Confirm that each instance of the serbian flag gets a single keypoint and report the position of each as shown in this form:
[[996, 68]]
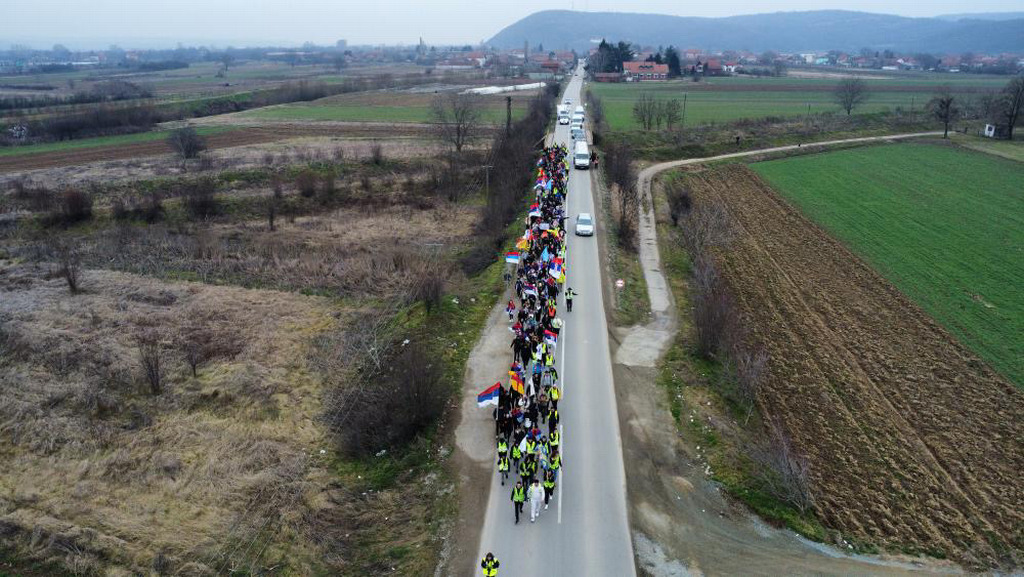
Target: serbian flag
[[530, 290], [556, 270], [489, 396], [516, 382], [512, 257], [550, 338], [535, 210]]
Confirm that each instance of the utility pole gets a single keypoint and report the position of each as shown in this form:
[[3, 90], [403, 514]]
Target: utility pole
[[508, 115], [682, 123], [487, 180]]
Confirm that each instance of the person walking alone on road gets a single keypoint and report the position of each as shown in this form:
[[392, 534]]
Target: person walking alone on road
[[569, 293], [536, 500], [518, 498], [490, 565]]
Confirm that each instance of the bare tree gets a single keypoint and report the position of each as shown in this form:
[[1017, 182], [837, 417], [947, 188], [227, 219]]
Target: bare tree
[[673, 113], [850, 93], [784, 474], [186, 143], [645, 110], [944, 108], [148, 344], [191, 343], [456, 118], [1011, 103]]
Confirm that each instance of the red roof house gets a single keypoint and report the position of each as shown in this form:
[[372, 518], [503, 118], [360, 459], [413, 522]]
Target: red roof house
[[643, 71]]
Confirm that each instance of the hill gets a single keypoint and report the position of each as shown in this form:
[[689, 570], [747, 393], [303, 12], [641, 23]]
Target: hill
[[786, 31]]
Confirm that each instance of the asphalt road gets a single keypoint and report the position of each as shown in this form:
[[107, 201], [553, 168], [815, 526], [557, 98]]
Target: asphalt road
[[585, 531]]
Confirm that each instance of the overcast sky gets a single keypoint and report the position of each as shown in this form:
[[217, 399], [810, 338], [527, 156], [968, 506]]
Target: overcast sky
[[142, 23]]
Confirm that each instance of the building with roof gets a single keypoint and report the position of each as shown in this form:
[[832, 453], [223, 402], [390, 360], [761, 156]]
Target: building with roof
[[644, 71]]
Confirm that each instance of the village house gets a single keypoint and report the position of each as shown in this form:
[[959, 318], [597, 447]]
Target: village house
[[644, 71]]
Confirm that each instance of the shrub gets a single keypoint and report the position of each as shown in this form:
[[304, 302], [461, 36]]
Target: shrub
[[147, 343], [407, 398], [69, 262], [306, 181], [199, 198], [377, 154]]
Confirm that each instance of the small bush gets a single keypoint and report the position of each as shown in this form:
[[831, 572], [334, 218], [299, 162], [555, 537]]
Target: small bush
[[73, 206], [377, 154], [200, 198], [305, 182], [69, 262], [147, 343]]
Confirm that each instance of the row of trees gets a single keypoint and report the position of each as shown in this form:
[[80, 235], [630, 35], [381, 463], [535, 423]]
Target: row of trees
[[1002, 108], [651, 113]]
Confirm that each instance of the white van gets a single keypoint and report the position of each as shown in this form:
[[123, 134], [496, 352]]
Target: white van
[[581, 155], [577, 119], [563, 114]]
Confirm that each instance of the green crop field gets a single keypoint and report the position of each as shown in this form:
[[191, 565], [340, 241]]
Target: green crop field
[[732, 98], [122, 139], [384, 107], [945, 225]]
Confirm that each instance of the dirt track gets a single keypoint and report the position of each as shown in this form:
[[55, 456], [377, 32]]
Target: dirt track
[[912, 440], [241, 137]]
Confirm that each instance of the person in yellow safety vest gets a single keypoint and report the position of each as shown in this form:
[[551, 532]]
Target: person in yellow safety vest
[[553, 395], [518, 498], [552, 420], [490, 565], [555, 462], [503, 468], [555, 440], [549, 360], [516, 454], [549, 486], [531, 446], [502, 447]]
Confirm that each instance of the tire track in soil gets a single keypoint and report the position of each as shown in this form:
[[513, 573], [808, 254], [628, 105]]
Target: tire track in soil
[[911, 438]]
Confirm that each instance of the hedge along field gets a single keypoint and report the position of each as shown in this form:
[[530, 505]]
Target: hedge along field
[[732, 98], [387, 107], [943, 224]]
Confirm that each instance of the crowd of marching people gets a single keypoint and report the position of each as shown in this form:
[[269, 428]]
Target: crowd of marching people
[[528, 437], [529, 440]]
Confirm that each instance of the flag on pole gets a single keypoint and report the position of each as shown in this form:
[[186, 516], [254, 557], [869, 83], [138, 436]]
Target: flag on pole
[[530, 290], [512, 257], [516, 382], [535, 210], [555, 270], [550, 338], [545, 256], [489, 396]]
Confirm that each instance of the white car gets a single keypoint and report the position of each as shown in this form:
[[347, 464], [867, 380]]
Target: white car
[[584, 224], [567, 102], [563, 120], [578, 134]]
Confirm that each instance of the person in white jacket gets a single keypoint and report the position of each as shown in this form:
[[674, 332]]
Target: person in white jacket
[[536, 497]]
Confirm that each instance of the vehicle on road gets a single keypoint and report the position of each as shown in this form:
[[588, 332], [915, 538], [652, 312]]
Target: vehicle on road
[[584, 224], [567, 102], [578, 134], [577, 119], [563, 114], [581, 155]]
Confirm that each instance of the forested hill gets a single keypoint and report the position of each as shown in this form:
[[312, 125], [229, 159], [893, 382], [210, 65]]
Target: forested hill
[[784, 31]]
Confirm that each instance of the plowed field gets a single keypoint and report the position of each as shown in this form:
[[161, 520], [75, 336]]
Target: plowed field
[[913, 441]]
